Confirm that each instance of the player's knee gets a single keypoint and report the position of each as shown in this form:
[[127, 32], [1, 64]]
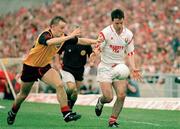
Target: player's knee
[[23, 96], [75, 91], [59, 86], [73, 88], [108, 98], [121, 96]]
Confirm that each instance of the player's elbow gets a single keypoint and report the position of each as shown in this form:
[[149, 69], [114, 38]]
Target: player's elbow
[[49, 42]]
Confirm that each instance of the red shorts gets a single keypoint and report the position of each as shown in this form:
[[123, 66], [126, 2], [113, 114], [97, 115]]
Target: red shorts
[[31, 74]]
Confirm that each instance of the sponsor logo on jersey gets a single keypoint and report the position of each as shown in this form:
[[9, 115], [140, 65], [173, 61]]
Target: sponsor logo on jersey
[[83, 52], [116, 48]]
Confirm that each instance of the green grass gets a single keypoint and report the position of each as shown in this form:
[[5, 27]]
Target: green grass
[[47, 116]]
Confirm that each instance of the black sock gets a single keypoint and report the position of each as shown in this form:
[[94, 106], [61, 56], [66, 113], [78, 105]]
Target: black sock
[[65, 113], [72, 103], [73, 100], [69, 93]]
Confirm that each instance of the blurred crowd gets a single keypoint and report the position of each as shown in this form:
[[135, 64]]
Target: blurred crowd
[[5, 91], [155, 24]]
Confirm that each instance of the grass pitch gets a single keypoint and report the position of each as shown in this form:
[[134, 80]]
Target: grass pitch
[[47, 116]]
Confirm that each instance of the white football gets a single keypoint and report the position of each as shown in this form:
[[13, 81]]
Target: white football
[[120, 71]]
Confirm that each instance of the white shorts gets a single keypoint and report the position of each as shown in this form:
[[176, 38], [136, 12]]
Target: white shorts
[[107, 73], [67, 76]]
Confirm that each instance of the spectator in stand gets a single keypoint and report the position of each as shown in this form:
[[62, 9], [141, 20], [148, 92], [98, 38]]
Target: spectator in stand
[[2, 88], [5, 91], [155, 22], [175, 43], [132, 88], [89, 88]]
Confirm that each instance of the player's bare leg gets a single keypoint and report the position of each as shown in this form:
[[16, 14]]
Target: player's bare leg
[[120, 89], [24, 91], [52, 78], [71, 93], [107, 97]]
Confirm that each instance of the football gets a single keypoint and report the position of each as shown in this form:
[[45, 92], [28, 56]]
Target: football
[[120, 72]]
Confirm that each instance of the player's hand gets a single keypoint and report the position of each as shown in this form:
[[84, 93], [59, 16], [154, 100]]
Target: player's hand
[[92, 58], [94, 55], [76, 32], [96, 41], [136, 75], [100, 39]]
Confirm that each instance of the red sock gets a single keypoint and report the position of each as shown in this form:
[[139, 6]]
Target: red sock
[[112, 119], [65, 110], [15, 108]]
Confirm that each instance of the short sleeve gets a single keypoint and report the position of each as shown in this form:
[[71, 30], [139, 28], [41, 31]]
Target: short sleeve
[[130, 43], [130, 48], [44, 37]]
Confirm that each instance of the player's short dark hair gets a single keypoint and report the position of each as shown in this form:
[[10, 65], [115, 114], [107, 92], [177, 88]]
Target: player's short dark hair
[[117, 13], [56, 20]]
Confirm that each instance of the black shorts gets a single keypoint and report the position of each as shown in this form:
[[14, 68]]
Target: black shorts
[[76, 72], [31, 74]]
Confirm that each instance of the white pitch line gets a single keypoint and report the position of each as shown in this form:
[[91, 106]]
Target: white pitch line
[[141, 122], [2, 107], [136, 122]]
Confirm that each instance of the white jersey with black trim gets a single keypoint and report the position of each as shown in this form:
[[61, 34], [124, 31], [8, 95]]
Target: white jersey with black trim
[[115, 47]]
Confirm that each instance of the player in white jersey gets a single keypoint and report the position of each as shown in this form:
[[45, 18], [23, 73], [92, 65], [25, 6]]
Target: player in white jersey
[[117, 42]]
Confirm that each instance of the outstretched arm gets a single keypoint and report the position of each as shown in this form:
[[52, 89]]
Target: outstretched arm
[[96, 50], [87, 41], [59, 40]]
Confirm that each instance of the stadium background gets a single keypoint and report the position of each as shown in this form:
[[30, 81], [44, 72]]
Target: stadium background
[[155, 24]]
